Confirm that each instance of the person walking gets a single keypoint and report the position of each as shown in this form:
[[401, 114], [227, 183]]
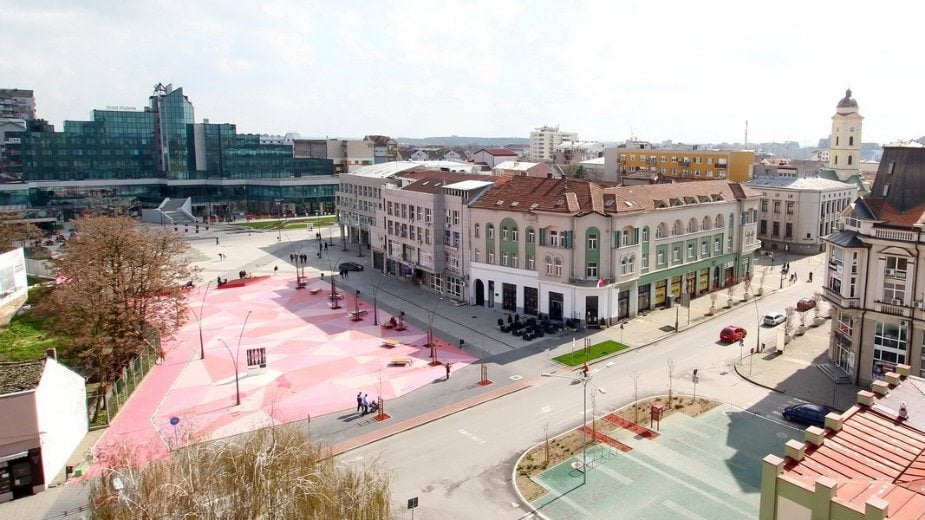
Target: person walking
[[275, 269], [325, 246], [365, 404], [448, 370], [216, 240], [359, 401], [292, 258]]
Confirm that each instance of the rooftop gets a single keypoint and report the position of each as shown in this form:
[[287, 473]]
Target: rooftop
[[516, 165], [499, 151], [798, 183], [432, 181], [21, 376]]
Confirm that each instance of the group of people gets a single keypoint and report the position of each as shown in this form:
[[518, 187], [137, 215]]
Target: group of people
[[364, 406], [344, 273], [242, 274], [298, 258]]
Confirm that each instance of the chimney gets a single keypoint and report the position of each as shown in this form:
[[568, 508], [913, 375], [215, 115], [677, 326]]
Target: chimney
[[51, 353]]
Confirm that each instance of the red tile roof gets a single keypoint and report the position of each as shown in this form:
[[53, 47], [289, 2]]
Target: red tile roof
[[873, 455], [885, 211], [499, 151], [580, 196]]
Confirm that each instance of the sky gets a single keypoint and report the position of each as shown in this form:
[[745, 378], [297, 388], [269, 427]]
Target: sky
[[688, 71]]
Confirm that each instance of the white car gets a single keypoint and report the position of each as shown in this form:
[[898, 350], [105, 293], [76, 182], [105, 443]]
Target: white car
[[773, 318]]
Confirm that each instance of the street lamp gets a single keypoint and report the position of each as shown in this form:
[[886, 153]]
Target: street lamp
[[334, 304], [375, 293], [430, 334], [202, 349], [356, 299], [234, 360], [585, 378], [279, 225]]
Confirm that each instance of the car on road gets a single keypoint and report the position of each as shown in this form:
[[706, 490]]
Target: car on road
[[350, 266], [732, 333], [806, 413], [773, 318], [805, 304]]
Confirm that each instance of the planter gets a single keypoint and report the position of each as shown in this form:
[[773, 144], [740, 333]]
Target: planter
[[760, 291], [801, 330], [712, 311], [729, 303], [745, 297], [819, 320]]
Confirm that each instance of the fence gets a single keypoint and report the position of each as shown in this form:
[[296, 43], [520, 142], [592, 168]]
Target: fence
[[39, 268], [102, 412]]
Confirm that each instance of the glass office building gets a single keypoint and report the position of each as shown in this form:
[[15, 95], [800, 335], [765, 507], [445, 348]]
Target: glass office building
[[145, 156]]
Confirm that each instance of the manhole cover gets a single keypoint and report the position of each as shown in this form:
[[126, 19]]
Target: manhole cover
[[516, 377], [781, 435], [666, 328]]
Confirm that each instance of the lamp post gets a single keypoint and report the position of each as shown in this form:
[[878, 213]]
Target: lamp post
[[202, 348], [375, 307], [430, 334], [757, 329], [356, 299], [585, 378], [334, 304], [234, 360]]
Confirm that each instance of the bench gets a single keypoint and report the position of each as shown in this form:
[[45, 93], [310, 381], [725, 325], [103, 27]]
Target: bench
[[388, 325], [356, 314], [389, 343], [400, 362], [314, 291]]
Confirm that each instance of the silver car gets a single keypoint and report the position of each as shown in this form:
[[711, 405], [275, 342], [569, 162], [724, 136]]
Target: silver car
[[773, 318]]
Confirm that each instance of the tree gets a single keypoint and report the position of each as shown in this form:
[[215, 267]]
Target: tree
[[271, 473], [121, 286], [16, 232]]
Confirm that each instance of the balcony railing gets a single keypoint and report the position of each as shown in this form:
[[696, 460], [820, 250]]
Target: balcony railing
[[895, 310], [589, 282], [891, 234]]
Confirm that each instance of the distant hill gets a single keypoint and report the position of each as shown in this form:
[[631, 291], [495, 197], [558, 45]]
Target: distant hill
[[463, 141]]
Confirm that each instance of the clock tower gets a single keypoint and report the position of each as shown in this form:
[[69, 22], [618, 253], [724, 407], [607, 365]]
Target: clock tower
[[845, 140]]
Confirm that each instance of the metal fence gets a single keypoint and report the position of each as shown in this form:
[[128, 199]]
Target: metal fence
[[39, 268], [102, 411]]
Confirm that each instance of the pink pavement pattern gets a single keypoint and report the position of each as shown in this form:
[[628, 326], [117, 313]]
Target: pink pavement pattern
[[317, 361]]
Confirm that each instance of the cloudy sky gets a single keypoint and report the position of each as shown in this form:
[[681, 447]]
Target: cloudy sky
[[690, 71]]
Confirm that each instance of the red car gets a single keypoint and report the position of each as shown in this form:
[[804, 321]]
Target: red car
[[732, 334]]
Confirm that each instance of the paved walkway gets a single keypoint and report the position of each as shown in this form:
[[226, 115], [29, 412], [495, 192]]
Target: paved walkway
[[295, 327]]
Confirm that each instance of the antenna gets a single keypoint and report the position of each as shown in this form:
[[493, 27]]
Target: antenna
[[746, 133]]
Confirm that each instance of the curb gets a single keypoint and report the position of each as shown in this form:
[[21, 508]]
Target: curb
[[748, 379]]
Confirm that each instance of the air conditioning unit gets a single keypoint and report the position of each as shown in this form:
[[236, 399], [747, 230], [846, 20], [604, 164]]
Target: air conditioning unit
[[896, 301], [919, 305], [890, 272]]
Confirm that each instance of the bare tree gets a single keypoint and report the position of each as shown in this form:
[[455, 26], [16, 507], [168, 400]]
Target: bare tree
[[271, 473], [16, 232], [121, 285], [789, 319], [670, 363], [635, 378]]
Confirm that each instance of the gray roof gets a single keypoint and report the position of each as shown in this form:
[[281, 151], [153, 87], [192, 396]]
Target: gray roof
[[798, 183], [21, 376], [845, 238]]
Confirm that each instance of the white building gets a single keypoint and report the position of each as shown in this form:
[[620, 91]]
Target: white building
[[573, 249], [14, 288], [845, 139], [518, 168], [798, 212], [49, 404], [545, 139], [570, 152], [875, 272], [493, 156]]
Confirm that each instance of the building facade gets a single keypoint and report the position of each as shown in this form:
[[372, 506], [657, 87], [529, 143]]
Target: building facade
[[493, 156], [875, 272], [545, 139], [159, 152], [686, 164], [348, 155], [797, 213], [573, 249], [572, 152], [518, 169], [17, 104]]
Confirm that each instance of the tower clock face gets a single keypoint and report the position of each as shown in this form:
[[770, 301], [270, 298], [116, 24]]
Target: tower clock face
[[851, 129]]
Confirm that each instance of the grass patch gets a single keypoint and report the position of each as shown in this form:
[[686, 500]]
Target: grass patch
[[25, 339], [291, 223], [595, 351]]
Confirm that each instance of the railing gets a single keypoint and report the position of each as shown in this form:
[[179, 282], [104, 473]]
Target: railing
[[895, 310], [890, 234], [589, 282]]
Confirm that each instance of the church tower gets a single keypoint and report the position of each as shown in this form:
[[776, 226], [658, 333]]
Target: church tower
[[845, 140]]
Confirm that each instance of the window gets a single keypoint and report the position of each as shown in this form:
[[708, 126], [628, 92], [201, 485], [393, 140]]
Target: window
[[531, 263], [491, 256], [763, 227], [676, 254], [706, 223], [704, 248], [776, 206], [788, 230], [490, 230], [718, 222], [477, 256], [591, 270], [624, 263], [531, 236], [455, 217], [505, 259], [554, 238], [775, 227], [889, 169], [645, 262], [592, 242], [661, 231], [790, 208], [645, 234], [690, 251], [850, 143], [514, 262], [632, 264], [548, 265], [678, 228], [514, 234], [475, 231], [850, 158], [558, 263], [890, 344], [503, 232], [660, 258], [717, 245], [692, 226]]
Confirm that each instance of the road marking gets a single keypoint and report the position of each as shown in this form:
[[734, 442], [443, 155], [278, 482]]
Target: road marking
[[471, 437], [516, 377], [546, 409], [686, 513]]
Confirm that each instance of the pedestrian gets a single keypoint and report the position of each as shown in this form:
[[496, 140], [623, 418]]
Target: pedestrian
[[275, 269], [325, 246], [219, 257], [216, 240], [810, 276], [448, 370], [359, 401], [292, 258], [304, 258], [365, 404]]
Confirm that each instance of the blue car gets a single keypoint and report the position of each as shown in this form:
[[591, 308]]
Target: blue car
[[807, 413]]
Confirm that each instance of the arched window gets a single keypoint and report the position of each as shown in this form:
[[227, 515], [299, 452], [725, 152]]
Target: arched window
[[632, 264], [623, 263], [732, 220], [490, 230], [692, 225], [645, 234], [514, 233], [849, 160], [504, 235], [706, 223], [719, 221], [531, 235], [548, 265], [558, 263], [475, 230], [678, 228], [850, 142], [661, 231]]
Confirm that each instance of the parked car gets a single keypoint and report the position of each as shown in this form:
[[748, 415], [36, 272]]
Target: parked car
[[732, 334], [805, 304], [774, 318], [350, 266], [806, 413]]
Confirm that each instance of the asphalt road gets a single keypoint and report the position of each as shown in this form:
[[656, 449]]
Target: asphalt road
[[461, 466]]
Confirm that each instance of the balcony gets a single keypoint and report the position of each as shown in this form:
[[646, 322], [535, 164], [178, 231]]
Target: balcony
[[720, 165], [891, 234], [589, 282], [895, 310]]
